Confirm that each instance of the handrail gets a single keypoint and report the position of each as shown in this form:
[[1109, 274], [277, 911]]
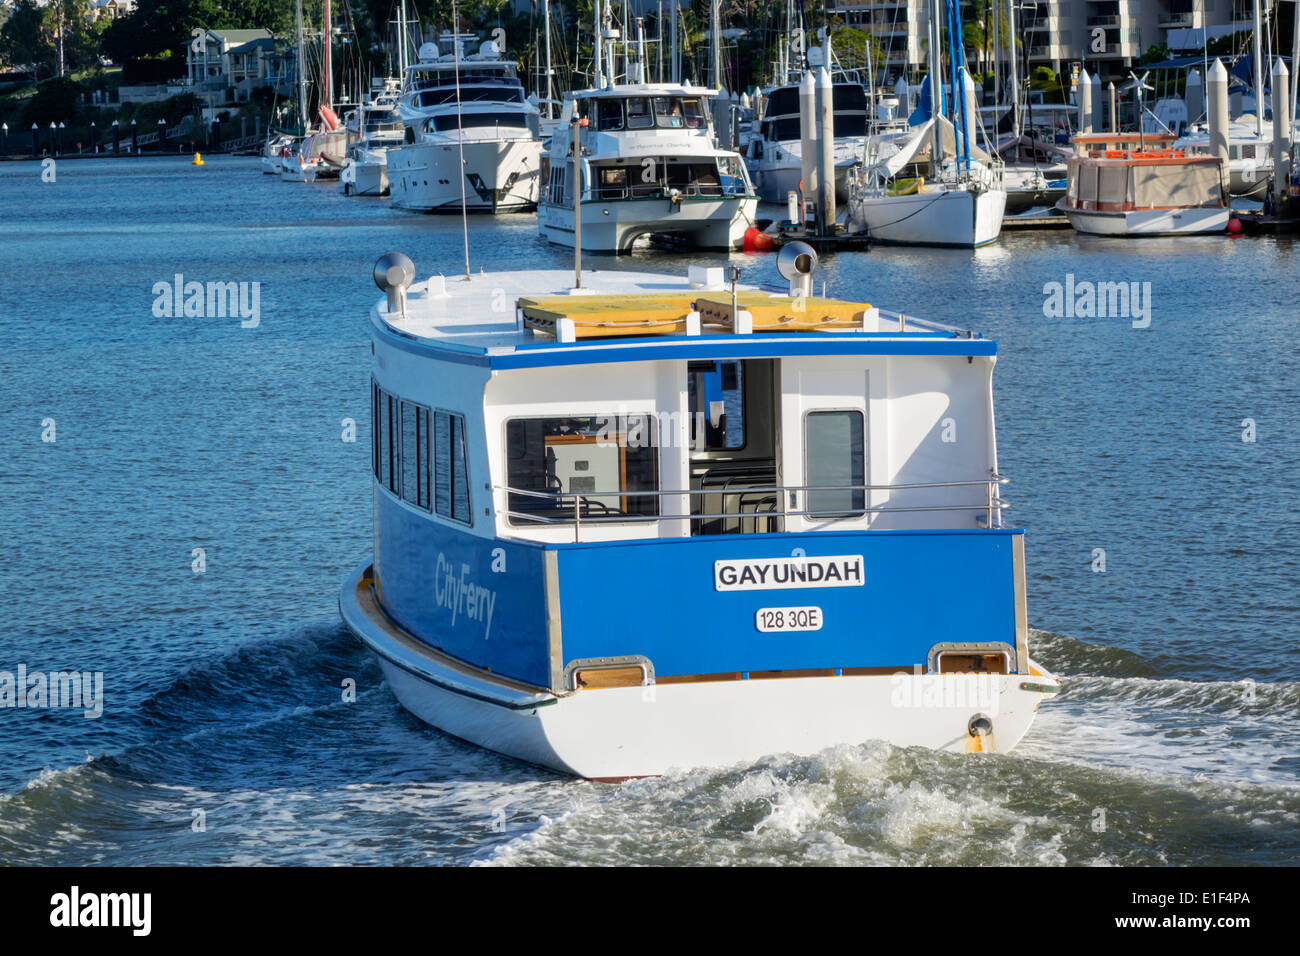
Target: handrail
[[993, 505]]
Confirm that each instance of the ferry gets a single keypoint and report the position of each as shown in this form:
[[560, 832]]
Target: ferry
[[626, 522]]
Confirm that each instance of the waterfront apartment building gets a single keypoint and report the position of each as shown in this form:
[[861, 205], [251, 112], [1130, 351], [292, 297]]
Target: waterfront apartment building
[[1108, 35]]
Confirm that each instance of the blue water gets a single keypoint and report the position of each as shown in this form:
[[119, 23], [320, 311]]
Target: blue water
[[224, 691]]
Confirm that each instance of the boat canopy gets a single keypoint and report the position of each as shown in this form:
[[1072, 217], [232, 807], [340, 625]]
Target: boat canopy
[[1146, 183]]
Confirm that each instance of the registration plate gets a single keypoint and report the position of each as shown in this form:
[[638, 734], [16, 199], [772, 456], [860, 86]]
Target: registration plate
[[770, 619]]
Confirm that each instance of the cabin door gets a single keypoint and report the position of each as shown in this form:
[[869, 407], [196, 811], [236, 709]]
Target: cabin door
[[824, 448]]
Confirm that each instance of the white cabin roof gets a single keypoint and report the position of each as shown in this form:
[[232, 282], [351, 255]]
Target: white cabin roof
[[474, 320]]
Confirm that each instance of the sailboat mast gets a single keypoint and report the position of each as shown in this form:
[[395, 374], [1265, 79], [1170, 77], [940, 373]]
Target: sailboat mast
[[715, 28], [1259, 77], [326, 43], [676, 57], [1015, 70], [546, 12], [302, 74], [598, 26], [936, 86], [401, 39]]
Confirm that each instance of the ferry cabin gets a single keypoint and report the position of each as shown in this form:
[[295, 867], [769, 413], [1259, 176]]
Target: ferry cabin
[[632, 527]]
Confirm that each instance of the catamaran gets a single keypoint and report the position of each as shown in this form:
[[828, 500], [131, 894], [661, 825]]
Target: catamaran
[[633, 521], [472, 139], [647, 165]]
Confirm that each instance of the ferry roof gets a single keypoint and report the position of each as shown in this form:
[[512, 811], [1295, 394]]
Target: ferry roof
[[475, 321]]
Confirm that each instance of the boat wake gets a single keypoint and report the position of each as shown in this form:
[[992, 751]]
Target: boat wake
[[1124, 768], [254, 757]]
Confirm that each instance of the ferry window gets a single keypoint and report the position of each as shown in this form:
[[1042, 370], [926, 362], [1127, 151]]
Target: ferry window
[[834, 443], [389, 472], [415, 454], [1247, 152], [597, 458], [693, 114], [668, 112], [374, 428], [716, 398], [450, 467], [638, 113], [609, 114]]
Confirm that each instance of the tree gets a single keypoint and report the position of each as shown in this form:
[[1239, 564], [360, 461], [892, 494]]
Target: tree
[[24, 40]]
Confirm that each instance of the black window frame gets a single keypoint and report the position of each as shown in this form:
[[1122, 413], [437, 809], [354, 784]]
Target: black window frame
[[456, 438]]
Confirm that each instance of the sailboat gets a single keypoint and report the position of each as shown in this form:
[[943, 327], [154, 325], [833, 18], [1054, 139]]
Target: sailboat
[[935, 187], [322, 152]]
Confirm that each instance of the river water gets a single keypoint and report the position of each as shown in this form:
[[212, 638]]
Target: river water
[[224, 737]]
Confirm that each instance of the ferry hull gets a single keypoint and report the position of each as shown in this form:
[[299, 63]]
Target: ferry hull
[[500, 176], [1147, 222], [952, 217], [617, 733], [614, 225]]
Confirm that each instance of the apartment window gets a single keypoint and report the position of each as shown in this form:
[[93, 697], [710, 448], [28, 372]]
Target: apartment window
[[450, 467], [835, 444], [597, 458]]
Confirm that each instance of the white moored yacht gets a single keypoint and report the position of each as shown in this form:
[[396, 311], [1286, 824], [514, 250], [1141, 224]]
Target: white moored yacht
[[470, 133], [775, 153], [662, 522], [373, 130]]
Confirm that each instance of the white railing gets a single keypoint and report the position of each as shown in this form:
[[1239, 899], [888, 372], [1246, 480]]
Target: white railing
[[577, 503]]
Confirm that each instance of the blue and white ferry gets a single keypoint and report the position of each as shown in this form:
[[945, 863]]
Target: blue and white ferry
[[663, 522]]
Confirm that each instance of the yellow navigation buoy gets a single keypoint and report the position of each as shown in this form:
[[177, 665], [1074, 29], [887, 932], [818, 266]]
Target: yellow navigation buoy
[[197, 161]]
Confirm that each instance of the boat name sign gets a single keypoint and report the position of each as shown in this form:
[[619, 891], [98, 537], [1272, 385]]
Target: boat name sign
[[765, 574]]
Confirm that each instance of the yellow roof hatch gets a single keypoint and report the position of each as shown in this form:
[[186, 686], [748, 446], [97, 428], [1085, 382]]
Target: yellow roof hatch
[[608, 316]]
